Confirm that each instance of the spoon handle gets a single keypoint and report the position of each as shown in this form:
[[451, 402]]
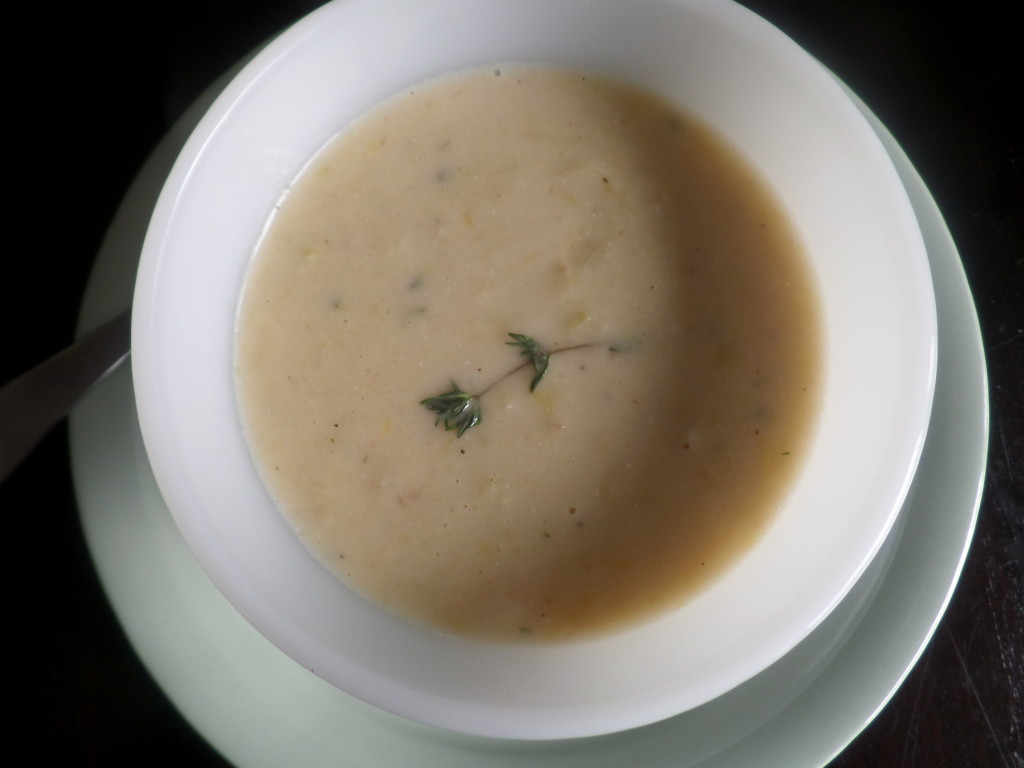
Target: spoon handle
[[32, 403]]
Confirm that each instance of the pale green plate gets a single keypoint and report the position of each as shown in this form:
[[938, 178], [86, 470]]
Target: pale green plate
[[258, 708]]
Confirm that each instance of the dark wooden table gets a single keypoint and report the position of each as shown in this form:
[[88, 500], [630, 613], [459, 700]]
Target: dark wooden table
[[93, 87]]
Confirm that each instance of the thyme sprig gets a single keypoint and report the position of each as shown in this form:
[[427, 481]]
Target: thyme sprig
[[460, 410]]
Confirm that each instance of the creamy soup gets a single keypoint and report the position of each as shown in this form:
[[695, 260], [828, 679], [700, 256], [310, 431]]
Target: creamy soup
[[628, 246]]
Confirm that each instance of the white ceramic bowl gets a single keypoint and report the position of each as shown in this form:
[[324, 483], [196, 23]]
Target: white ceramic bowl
[[774, 103]]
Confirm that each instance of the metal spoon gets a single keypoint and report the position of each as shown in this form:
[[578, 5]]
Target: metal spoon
[[34, 402]]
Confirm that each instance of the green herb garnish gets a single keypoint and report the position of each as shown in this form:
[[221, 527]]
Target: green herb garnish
[[460, 410], [539, 356]]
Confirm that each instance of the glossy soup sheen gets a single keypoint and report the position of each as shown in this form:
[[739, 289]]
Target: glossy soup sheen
[[583, 213]]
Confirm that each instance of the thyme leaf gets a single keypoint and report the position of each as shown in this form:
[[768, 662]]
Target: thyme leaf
[[539, 357], [458, 409]]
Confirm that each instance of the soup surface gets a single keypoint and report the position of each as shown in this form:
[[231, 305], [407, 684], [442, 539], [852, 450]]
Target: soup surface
[[634, 250]]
